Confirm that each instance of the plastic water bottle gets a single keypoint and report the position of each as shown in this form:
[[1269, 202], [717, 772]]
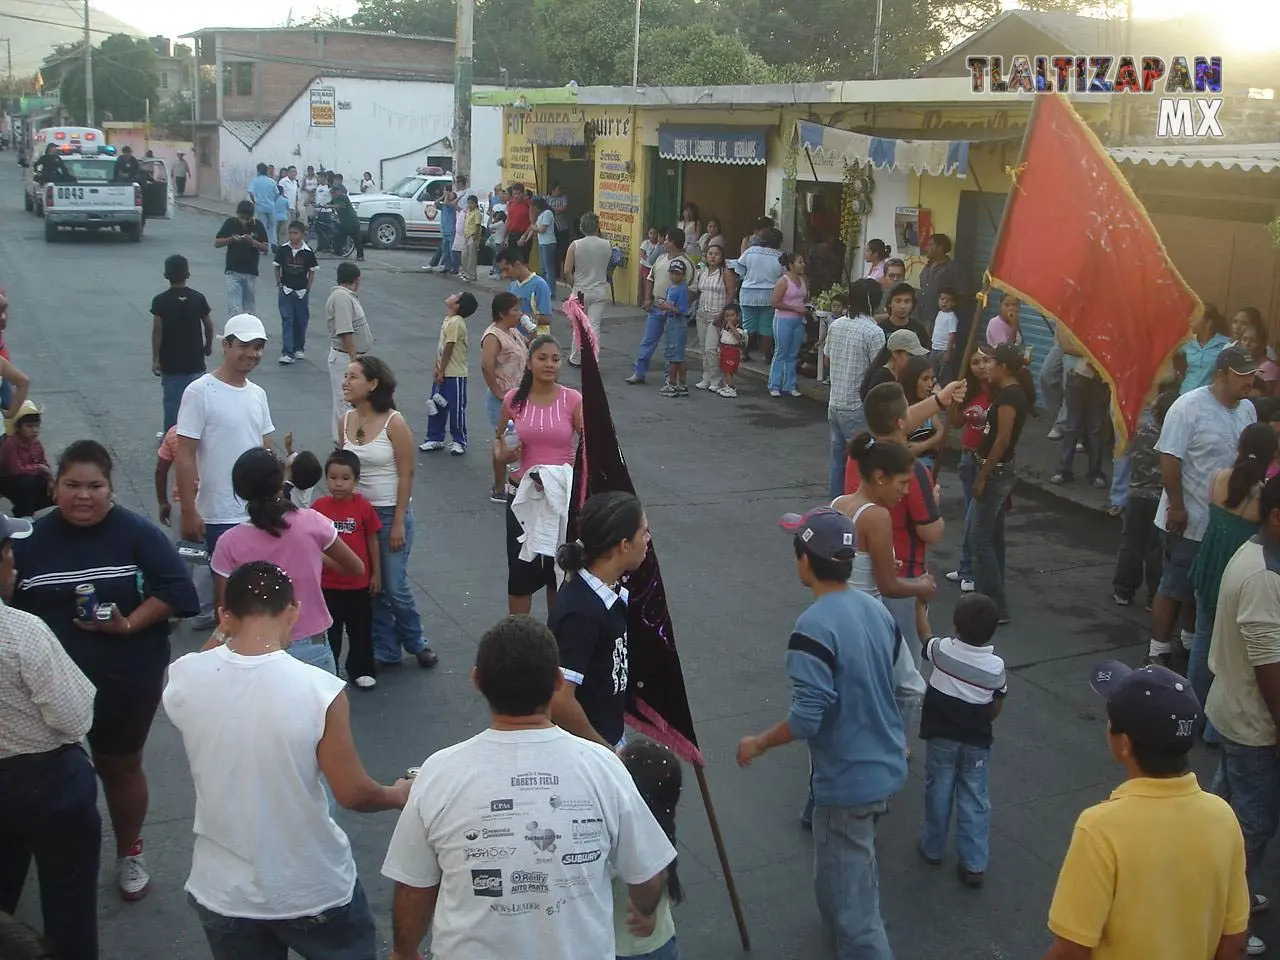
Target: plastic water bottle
[[527, 324], [511, 441]]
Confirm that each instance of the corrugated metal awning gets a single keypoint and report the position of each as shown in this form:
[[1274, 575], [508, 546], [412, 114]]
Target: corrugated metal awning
[[1263, 157]]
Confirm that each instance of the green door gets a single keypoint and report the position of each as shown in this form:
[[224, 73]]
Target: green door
[[664, 191]]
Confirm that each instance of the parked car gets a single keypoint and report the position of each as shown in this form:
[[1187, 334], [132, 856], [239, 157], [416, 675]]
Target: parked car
[[408, 212]]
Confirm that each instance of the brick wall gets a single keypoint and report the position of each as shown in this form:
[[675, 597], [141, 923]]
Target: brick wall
[[285, 61]]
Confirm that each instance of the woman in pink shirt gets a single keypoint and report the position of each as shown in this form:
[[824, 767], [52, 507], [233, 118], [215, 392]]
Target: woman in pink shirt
[[299, 542], [548, 422]]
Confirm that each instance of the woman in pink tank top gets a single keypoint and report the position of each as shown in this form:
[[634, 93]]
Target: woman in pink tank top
[[789, 295], [548, 423]]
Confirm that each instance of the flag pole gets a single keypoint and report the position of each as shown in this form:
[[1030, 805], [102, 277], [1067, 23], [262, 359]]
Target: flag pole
[[724, 859]]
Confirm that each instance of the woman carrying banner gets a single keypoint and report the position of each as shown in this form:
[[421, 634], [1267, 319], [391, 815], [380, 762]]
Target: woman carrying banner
[[589, 619]]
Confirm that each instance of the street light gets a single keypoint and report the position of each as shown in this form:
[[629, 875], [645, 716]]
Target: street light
[[635, 50]]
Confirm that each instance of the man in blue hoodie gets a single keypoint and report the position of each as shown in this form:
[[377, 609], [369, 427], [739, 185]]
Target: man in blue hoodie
[[840, 659]]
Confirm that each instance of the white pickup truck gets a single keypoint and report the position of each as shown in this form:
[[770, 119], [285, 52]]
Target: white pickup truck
[[89, 198]]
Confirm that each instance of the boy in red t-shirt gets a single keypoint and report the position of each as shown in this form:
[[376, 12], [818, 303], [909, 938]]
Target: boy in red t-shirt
[[350, 599]]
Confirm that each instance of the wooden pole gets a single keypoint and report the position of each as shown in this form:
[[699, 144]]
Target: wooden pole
[[724, 859]]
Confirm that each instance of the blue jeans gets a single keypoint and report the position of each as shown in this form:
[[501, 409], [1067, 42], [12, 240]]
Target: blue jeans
[[1120, 469], [841, 425], [1248, 778], [268, 220], [454, 390], [444, 253], [294, 315], [986, 535], [396, 623], [341, 933], [675, 338], [6, 394], [955, 775], [241, 295], [846, 880], [172, 386], [967, 472], [788, 333], [315, 651], [1198, 671], [547, 264], [668, 951], [654, 325]]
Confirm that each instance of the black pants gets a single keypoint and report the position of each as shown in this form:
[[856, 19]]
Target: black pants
[[340, 240], [49, 811], [27, 492], [1141, 556], [181, 183], [352, 609], [563, 239], [524, 249]]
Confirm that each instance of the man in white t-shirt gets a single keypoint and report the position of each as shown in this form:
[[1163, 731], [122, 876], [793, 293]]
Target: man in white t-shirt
[[222, 415], [267, 850], [511, 838]]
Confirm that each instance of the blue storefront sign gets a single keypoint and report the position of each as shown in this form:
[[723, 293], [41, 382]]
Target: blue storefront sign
[[711, 144]]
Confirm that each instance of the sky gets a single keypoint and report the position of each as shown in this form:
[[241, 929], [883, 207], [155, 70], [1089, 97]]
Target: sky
[[175, 18]]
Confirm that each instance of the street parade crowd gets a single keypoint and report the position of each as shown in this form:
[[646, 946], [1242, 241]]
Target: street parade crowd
[[551, 833]]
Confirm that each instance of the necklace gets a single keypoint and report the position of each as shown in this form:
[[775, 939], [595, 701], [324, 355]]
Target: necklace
[[360, 429]]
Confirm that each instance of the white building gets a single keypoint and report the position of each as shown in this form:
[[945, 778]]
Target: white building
[[352, 125]]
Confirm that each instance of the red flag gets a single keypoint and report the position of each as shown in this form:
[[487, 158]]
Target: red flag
[[657, 704], [1077, 245]]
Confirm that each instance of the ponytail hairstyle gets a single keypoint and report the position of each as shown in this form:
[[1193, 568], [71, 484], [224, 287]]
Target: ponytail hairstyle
[[258, 479], [879, 248], [606, 521], [526, 381], [658, 777], [1254, 453], [879, 456], [787, 259], [864, 297]]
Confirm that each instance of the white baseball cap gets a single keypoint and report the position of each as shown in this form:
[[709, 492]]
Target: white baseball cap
[[244, 327]]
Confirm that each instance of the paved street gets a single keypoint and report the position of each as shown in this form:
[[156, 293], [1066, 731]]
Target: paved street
[[714, 475]]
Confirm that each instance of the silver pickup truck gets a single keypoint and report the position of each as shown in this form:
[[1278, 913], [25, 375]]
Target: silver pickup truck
[[88, 198]]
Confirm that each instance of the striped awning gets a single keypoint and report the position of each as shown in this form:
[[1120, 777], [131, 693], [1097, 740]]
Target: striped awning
[[937, 157], [712, 144], [1262, 157]]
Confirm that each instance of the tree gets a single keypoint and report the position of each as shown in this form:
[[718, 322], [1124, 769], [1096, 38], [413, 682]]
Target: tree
[[124, 79], [692, 56]]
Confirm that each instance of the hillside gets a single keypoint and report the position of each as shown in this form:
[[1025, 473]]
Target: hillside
[[35, 28]]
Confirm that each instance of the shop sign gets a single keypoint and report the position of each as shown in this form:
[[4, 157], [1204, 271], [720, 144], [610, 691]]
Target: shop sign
[[556, 134], [733, 145], [324, 102]]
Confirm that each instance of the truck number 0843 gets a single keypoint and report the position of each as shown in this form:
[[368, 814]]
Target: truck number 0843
[[70, 193]]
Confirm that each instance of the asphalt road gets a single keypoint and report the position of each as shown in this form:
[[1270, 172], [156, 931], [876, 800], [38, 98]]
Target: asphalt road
[[714, 475]]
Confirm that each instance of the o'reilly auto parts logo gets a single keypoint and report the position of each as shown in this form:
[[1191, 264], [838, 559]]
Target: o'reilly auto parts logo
[[586, 856], [528, 881], [486, 883]]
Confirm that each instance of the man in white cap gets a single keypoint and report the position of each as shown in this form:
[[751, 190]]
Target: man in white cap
[[223, 414]]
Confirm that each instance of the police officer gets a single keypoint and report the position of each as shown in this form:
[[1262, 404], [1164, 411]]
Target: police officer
[[50, 168], [127, 166]]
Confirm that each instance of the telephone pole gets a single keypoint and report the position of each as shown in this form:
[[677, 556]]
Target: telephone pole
[[8, 46], [462, 75], [88, 70]]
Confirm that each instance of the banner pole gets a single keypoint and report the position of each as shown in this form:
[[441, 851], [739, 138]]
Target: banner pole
[[724, 859]]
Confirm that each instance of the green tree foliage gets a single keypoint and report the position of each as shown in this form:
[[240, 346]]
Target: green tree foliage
[[691, 56], [124, 79]]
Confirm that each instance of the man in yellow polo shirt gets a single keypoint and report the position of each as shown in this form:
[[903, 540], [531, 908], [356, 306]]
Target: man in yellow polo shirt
[[1157, 871]]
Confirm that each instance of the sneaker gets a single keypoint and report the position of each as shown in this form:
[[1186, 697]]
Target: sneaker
[[1258, 904], [1079, 447], [775, 393], [1255, 947], [132, 878], [967, 585], [205, 622], [1059, 478], [426, 657], [931, 861], [366, 683], [796, 393], [729, 393], [457, 449], [1121, 600], [431, 446], [634, 379], [160, 434], [575, 362], [682, 391], [953, 576], [299, 354], [700, 385], [1157, 660], [1054, 434], [1099, 483], [497, 496], [970, 878], [667, 390], [286, 359]]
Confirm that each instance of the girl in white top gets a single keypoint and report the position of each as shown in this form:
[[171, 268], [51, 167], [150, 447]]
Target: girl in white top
[[376, 433], [586, 268], [716, 288], [692, 228]]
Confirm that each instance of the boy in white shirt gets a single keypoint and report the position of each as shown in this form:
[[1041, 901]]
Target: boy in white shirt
[[944, 335]]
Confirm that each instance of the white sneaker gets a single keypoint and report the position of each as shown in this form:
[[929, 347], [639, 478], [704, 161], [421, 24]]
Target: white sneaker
[[796, 393], [702, 385], [953, 576], [431, 446], [299, 355], [366, 683], [967, 586], [132, 878], [775, 393], [728, 392], [1255, 947], [457, 449], [286, 359]]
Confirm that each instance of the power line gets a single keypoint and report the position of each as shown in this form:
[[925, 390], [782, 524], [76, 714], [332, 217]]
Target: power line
[[57, 23]]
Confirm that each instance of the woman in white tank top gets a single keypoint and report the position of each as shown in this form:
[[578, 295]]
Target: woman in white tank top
[[376, 433]]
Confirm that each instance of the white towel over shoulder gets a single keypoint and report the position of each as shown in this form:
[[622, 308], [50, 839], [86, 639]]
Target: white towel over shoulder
[[544, 514]]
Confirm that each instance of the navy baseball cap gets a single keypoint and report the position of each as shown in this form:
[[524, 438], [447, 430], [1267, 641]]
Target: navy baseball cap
[[825, 533], [1152, 704], [14, 528], [1237, 360]]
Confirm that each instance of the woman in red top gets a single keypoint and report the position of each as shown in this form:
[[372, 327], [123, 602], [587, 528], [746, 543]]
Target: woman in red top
[[970, 415]]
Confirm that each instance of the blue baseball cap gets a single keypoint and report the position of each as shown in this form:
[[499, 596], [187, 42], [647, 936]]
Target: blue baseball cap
[[1152, 704], [825, 533]]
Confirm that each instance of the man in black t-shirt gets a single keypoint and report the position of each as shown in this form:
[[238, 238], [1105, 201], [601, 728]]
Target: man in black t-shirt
[[181, 336], [245, 241], [295, 270], [127, 166], [589, 620], [901, 301]]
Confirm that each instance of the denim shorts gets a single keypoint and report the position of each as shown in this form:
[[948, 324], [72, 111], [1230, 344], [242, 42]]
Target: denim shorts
[[675, 337], [492, 408], [1175, 581]]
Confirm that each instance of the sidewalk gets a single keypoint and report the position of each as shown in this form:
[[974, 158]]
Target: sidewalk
[[1037, 456]]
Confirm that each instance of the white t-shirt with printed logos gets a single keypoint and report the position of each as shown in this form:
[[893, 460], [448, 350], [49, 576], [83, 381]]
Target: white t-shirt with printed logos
[[522, 830], [226, 421]]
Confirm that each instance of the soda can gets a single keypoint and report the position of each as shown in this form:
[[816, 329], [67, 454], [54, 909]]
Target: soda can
[[411, 773], [86, 601], [105, 612]]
